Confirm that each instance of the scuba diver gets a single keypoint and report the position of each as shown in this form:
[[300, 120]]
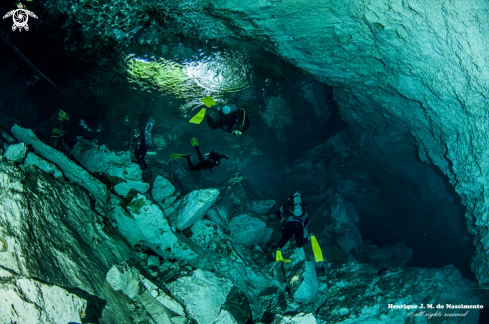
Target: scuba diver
[[141, 150], [295, 219], [64, 132], [232, 119], [214, 158]]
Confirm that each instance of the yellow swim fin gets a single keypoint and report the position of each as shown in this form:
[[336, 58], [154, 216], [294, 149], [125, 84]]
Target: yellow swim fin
[[318, 254], [194, 141], [62, 115], [208, 101], [278, 257], [58, 131], [197, 119], [177, 156]]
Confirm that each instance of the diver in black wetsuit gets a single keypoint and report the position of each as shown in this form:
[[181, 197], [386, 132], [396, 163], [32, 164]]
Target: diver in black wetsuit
[[294, 216], [232, 119], [141, 150], [213, 160]]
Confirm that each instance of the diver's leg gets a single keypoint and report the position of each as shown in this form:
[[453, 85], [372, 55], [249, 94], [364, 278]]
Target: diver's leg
[[300, 240], [286, 235], [191, 166], [143, 156], [201, 158]]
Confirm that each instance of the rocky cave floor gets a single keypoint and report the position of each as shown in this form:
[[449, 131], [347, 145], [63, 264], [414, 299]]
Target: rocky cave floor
[[91, 238]]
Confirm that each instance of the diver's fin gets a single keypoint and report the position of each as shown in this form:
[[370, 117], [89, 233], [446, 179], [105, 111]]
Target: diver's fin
[[197, 119], [208, 101], [194, 141], [58, 131], [279, 258], [62, 115], [318, 254], [177, 156]]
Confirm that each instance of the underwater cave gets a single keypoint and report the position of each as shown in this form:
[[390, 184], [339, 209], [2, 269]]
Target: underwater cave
[[374, 111]]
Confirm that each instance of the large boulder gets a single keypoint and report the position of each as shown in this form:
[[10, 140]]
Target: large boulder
[[123, 188], [73, 171], [247, 230], [301, 275], [16, 152], [206, 233], [162, 189], [202, 294], [156, 302], [334, 224], [24, 300], [102, 160], [218, 215], [235, 200], [261, 207], [193, 207], [143, 222], [48, 167]]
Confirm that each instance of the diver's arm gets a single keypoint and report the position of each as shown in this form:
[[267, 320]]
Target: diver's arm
[[223, 157]]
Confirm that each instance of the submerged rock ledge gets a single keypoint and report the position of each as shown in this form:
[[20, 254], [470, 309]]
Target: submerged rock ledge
[[135, 260]]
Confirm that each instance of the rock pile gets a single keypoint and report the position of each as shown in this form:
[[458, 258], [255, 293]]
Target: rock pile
[[159, 254]]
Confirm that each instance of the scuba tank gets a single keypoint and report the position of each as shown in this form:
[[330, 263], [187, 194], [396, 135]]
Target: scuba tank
[[297, 204], [229, 108]]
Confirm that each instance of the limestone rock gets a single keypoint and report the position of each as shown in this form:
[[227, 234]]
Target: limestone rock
[[202, 294], [301, 276], [72, 170], [155, 301], [297, 319], [16, 152], [123, 188], [204, 232], [184, 180], [162, 189], [261, 207], [218, 215], [143, 221], [247, 230], [52, 234], [24, 300], [122, 277], [235, 200], [163, 298], [334, 223], [193, 207], [225, 318], [102, 160], [48, 167]]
